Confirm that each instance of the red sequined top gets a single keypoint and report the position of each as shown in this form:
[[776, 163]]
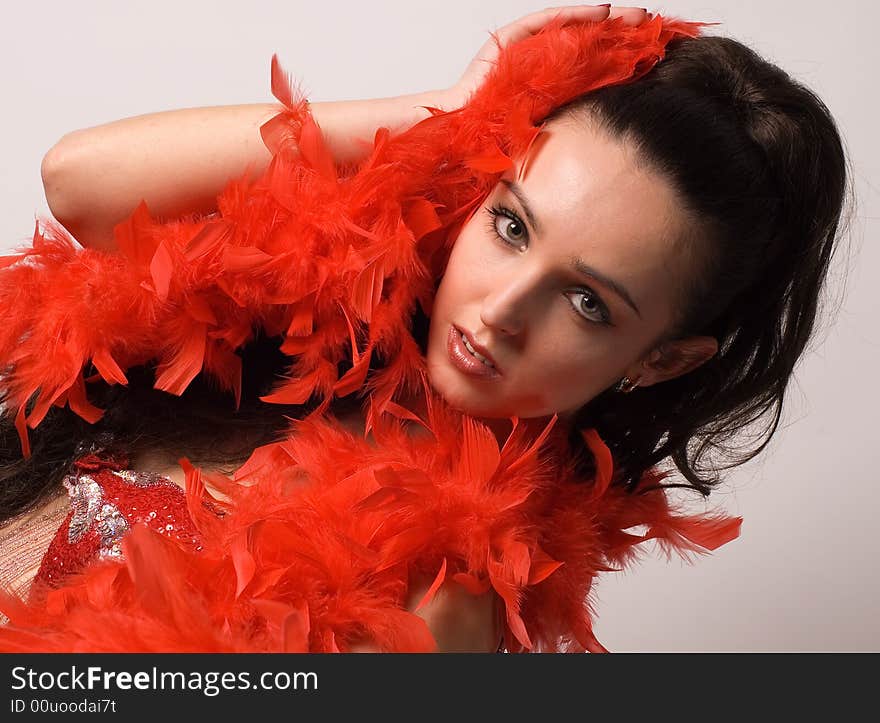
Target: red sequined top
[[106, 500]]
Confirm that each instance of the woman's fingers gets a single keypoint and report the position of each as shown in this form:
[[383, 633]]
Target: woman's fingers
[[522, 28], [630, 15], [532, 23]]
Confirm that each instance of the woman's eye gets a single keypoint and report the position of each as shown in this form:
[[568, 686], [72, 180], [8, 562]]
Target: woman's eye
[[587, 305], [513, 230], [508, 227]]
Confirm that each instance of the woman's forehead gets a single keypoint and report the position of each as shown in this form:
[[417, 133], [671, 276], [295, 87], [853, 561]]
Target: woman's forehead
[[588, 190]]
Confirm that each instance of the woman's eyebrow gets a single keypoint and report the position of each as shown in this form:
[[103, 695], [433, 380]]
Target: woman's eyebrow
[[576, 263], [517, 191], [615, 286]]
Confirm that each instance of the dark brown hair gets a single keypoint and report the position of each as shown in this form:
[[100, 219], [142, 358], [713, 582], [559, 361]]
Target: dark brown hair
[[758, 163], [760, 168]]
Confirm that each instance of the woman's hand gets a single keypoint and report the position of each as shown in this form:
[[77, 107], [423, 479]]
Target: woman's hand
[[475, 73]]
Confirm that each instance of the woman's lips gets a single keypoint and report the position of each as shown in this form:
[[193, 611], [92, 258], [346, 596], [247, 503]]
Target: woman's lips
[[464, 361]]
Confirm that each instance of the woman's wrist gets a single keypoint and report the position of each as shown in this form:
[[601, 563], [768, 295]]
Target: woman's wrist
[[349, 126]]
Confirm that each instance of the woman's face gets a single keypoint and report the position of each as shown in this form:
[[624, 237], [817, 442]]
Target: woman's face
[[516, 284]]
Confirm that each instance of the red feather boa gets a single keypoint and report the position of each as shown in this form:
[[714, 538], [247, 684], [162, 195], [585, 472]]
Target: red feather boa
[[324, 529]]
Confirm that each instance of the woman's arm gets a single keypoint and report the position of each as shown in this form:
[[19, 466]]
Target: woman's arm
[[178, 161]]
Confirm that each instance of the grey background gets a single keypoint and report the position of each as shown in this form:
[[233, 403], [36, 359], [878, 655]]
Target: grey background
[[803, 575]]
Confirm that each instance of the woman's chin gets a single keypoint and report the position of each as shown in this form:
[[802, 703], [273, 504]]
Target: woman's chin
[[492, 409], [467, 405], [471, 399], [466, 401]]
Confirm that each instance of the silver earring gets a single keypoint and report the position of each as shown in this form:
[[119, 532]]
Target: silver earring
[[626, 385]]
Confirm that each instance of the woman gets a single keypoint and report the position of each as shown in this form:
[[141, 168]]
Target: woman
[[670, 295]]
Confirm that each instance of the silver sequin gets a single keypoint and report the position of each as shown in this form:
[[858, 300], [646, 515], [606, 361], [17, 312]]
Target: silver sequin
[[89, 506], [111, 526], [143, 479], [85, 498]]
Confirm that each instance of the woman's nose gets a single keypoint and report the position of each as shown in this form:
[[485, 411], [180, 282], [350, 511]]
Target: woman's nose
[[505, 307]]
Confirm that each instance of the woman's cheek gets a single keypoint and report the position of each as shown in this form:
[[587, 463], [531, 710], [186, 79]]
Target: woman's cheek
[[462, 285], [478, 248]]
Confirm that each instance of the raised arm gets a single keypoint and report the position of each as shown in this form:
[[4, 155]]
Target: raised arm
[[178, 161]]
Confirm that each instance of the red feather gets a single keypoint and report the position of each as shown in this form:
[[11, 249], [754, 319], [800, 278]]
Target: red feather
[[438, 581]]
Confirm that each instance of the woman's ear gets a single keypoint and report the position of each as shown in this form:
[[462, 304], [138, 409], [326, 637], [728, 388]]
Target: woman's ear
[[675, 358]]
